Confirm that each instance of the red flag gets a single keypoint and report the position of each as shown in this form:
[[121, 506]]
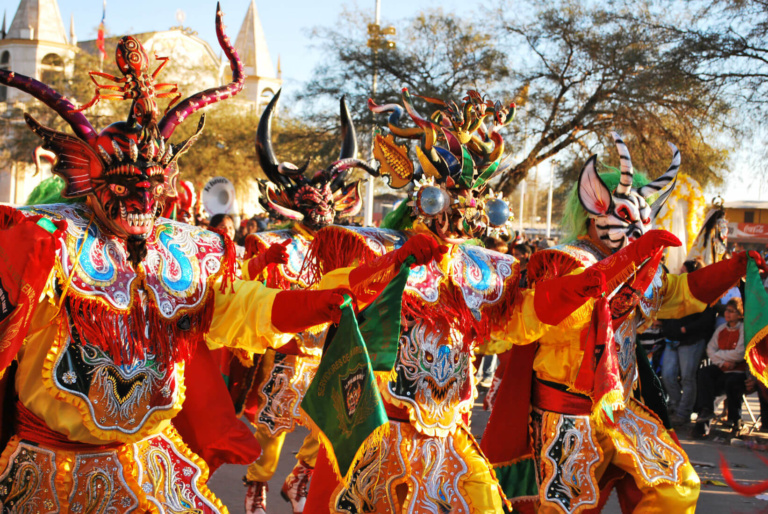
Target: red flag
[[100, 35]]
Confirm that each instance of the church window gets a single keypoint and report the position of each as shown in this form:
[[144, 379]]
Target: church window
[[51, 68], [5, 64]]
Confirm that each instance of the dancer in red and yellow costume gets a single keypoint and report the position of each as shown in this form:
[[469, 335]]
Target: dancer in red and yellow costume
[[269, 395], [597, 418], [104, 303], [429, 461]]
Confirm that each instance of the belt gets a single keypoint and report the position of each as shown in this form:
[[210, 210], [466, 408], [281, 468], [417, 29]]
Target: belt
[[551, 397], [31, 428]]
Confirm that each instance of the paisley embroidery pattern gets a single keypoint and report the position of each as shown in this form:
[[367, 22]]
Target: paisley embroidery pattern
[[639, 434], [277, 398], [431, 470], [99, 484], [297, 251], [169, 479], [567, 457], [180, 259], [27, 485], [481, 276]]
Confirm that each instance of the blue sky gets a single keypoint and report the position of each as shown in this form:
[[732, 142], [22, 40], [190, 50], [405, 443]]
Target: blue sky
[[286, 23]]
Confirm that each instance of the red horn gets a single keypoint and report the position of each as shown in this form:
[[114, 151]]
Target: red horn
[[210, 96]]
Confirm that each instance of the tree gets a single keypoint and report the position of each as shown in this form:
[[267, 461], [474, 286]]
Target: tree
[[438, 54], [595, 68]]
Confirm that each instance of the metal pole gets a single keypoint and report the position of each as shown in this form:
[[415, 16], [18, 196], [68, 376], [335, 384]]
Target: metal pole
[[549, 197], [535, 195], [369, 196], [522, 205]]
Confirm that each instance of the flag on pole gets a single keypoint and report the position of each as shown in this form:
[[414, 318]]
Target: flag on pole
[[756, 323], [100, 35], [380, 322]]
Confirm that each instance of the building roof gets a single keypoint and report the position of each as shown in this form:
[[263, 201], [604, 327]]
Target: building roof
[[251, 45], [746, 204], [43, 17]]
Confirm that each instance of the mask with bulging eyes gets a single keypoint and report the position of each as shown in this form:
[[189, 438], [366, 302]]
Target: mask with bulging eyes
[[623, 215]]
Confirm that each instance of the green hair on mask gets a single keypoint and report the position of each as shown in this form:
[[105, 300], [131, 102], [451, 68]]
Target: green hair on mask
[[574, 222]]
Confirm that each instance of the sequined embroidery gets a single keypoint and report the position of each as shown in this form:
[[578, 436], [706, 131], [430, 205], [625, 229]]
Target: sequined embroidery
[[99, 484], [567, 457], [639, 434], [27, 485]]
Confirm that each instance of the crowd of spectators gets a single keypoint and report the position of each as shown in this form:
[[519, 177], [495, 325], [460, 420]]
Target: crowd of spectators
[[700, 359]]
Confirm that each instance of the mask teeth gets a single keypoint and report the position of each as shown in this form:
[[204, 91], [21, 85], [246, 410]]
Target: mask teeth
[[151, 150], [161, 151], [104, 155], [118, 152], [168, 155], [134, 150]]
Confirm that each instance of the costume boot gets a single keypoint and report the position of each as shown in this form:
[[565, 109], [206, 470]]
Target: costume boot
[[296, 485], [255, 497]]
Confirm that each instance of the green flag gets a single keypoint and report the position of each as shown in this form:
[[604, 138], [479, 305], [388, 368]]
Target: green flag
[[380, 321], [343, 402], [756, 323]]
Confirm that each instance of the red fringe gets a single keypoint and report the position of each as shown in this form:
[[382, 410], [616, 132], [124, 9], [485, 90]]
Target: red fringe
[[744, 490], [128, 337], [229, 261], [334, 248]]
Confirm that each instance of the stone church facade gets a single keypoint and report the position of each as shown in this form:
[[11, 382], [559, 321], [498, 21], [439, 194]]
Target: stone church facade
[[37, 45]]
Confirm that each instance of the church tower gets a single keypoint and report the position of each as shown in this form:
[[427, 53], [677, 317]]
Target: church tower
[[261, 82], [35, 45]]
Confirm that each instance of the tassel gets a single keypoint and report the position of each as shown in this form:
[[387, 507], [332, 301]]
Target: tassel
[[608, 393], [229, 261]]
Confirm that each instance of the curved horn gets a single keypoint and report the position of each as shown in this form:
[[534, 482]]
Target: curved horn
[[662, 182], [63, 107], [348, 135], [625, 182], [264, 150], [210, 96], [337, 172]]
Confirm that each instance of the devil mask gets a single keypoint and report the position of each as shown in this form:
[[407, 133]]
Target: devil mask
[[317, 201], [623, 215], [128, 169], [460, 150]]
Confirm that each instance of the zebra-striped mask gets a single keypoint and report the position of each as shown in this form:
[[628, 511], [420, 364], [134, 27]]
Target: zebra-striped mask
[[624, 215]]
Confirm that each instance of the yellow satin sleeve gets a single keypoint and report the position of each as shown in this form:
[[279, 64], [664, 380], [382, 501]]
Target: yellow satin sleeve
[[677, 300], [243, 318]]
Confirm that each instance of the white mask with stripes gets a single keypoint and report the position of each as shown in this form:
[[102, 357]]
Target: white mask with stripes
[[623, 215]]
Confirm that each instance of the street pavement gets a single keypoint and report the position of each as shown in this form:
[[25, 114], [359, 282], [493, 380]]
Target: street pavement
[[746, 466]]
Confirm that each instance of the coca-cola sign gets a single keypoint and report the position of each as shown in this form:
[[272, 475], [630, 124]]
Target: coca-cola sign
[[748, 231]]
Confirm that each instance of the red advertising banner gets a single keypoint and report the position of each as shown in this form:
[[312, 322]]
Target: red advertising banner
[[748, 232]]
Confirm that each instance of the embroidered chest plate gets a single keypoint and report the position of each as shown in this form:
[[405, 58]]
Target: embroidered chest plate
[[180, 260], [297, 251]]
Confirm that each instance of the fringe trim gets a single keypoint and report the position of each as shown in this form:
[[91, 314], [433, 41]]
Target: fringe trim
[[149, 426], [229, 264], [757, 353], [551, 263], [334, 248], [130, 335], [604, 408], [374, 440]]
